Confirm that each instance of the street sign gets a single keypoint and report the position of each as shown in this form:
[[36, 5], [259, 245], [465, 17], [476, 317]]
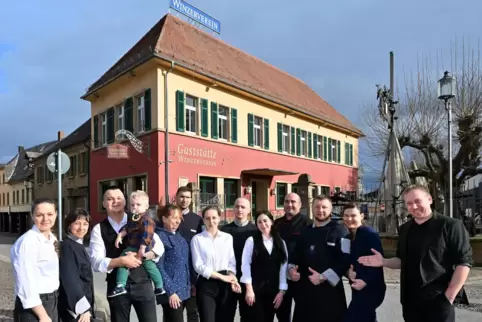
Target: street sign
[[64, 162], [196, 15]]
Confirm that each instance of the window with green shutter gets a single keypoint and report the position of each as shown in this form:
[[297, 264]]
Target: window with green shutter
[[292, 142], [214, 120], [250, 129], [96, 131], [310, 145], [234, 125], [180, 111], [128, 114], [338, 151], [147, 110], [266, 134], [351, 154], [347, 153], [110, 125], [325, 149], [280, 137], [298, 141], [330, 150], [315, 146], [204, 118]]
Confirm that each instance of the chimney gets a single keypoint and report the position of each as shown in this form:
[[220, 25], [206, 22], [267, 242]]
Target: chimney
[[20, 148], [60, 135]]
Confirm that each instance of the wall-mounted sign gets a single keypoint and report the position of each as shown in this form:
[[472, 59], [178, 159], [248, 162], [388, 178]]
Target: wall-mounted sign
[[193, 155], [196, 15]]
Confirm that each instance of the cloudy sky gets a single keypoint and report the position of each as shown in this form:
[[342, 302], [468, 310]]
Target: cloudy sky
[[51, 51]]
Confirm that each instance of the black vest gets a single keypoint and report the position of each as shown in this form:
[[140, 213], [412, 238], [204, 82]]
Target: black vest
[[265, 267], [136, 275]]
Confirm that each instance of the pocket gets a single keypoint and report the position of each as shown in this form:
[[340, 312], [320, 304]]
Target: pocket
[[445, 299]]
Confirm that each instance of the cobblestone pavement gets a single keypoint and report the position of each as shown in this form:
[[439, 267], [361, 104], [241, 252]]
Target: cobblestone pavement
[[6, 291]]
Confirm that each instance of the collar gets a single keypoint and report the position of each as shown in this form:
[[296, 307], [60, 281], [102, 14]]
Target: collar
[[42, 237], [75, 239], [207, 234], [186, 211], [241, 224], [323, 224], [114, 223]]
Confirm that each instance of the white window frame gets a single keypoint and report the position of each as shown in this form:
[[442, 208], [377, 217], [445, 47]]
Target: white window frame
[[141, 114], [286, 139], [223, 119], [120, 118], [260, 129], [303, 140], [191, 109], [104, 129], [319, 146]]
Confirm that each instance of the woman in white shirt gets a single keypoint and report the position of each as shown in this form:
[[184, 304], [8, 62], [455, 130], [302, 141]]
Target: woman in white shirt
[[35, 264], [214, 262], [264, 267]]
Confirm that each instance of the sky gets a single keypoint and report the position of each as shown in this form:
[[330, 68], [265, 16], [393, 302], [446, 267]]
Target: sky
[[51, 51]]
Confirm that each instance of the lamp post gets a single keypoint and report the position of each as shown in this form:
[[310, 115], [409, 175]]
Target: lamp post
[[447, 88]]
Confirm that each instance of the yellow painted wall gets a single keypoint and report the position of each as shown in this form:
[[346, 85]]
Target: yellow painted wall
[[177, 81], [19, 206]]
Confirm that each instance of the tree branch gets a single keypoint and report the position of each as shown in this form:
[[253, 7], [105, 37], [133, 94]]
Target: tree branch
[[419, 173]]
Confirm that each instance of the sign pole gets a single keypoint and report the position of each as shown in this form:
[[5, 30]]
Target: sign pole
[[59, 182]]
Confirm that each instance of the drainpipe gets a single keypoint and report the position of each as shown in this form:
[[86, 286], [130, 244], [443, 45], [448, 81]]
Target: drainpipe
[[166, 137]]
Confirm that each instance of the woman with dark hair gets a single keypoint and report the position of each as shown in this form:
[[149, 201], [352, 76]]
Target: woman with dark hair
[[36, 267], [76, 301], [174, 264], [367, 283], [264, 267], [214, 262]]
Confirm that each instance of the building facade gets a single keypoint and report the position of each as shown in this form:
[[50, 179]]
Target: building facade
[[235, 126]]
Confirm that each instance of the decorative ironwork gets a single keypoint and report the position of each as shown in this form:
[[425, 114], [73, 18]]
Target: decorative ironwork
[[136, 143]]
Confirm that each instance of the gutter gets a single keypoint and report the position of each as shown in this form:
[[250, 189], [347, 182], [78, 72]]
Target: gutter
[[166, 136]]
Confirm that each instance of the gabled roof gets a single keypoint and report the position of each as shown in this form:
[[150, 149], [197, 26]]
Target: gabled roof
[[79, 136], [174, 39]]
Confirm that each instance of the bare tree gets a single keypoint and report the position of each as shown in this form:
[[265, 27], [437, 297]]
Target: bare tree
[[421, 123]]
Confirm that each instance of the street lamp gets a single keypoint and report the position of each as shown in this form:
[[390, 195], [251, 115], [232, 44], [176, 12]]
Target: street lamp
[[447, 89]]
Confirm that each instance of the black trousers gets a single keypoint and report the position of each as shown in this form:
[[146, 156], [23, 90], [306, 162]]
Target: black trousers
[[437, 309], [49, 302], [233, 304], [262, 309], [141, 296], [284, 311], [172, 315], [191, 309], [213, 298]]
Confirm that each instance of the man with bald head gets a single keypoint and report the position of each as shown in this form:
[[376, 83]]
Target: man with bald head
[[241, 229], [289, 227]]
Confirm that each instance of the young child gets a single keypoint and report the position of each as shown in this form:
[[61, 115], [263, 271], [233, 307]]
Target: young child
[[139, 231]]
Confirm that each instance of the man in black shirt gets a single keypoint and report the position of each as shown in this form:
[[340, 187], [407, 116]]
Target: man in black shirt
[[289, 227], [435, 257], [241, 229], [191, 225]]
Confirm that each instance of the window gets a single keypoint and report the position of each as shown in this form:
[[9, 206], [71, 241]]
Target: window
[[120, 118], [141, 115], [23, 196], [191, 108], [223, 123], [140, 183], [319, 148], [208, 187], [231, 192], [73, 166], [286, 138], [303, 143], [258, 122], [104, 128], [325, 190], [281, 192]]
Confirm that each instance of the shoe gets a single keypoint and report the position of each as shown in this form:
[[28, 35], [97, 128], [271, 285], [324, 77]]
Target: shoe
[[159, 291], [119, 290]]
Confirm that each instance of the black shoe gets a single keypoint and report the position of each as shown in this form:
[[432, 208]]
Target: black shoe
[[119, 290], [159, 291]]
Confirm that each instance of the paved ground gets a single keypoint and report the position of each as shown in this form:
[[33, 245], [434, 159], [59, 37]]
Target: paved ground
[[390, 311]]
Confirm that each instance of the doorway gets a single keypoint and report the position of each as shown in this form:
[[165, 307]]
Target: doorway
[[259, 196]]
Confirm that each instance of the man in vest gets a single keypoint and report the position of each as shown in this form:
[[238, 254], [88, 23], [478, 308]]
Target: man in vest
[[105, 258]]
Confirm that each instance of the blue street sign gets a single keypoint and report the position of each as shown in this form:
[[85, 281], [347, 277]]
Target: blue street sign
[[196, 15]]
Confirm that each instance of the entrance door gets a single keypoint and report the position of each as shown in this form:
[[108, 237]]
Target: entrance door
[[259, 196]]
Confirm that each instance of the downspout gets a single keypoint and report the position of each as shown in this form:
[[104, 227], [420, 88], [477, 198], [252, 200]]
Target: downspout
[[88, 144], [166, 137]]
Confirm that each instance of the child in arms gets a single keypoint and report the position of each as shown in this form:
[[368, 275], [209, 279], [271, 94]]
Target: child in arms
[[139, 231]]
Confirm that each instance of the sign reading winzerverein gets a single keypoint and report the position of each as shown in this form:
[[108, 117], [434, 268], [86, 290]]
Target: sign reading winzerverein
[[196, 15]]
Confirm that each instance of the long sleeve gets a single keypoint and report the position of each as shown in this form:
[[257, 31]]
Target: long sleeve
[[148, 227], [341, 255], [24, 266], [70, 280], [283, 283], [232, 257], [158, 248], [197, 261], [459, 245], [100, 263], [169, 284], [366, 273], [246, 261]]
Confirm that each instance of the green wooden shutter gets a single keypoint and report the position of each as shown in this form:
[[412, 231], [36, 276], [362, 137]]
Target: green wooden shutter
[[292, 141], [250, 130], [351, 154], [315, 146], [330, 150], [214, 120], [128, 114], [180, 115], [347, 149], [204, 118], [96, 131], [110, 125], [266, 134], [338, 151], [298, 141], [280, 137], [325, 149], [310, 145], [147, 110], [234, 125]]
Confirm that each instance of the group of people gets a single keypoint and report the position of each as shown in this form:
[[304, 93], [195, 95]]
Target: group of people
[[186, 262]]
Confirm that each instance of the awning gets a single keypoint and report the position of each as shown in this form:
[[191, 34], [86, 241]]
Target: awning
[[268, 172]]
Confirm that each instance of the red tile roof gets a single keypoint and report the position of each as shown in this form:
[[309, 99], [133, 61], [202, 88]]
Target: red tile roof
[[174, 39]]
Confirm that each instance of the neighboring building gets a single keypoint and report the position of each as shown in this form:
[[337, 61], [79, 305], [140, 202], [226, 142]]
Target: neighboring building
[[237, 125], [75, 183], [19, 177], [5, 195]]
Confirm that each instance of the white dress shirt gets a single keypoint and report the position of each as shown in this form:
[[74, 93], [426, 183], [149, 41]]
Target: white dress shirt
[[35, 267], [98, 259], [212, 254], [246, 262]]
